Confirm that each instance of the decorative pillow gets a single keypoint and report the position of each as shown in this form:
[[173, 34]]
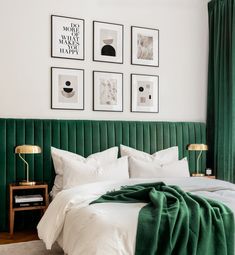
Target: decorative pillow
[[163, 157], [142, 169], [100, 158], [78, 173]]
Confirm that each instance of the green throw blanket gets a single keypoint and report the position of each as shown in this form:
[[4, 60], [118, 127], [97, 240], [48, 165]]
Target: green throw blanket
[[176, 222]]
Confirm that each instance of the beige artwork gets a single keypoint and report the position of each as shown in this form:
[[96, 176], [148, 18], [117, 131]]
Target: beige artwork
[[144, 47]]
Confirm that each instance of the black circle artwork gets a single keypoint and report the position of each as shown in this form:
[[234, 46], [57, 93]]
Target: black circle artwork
[[68, 92], [108, 50], [141, 89]]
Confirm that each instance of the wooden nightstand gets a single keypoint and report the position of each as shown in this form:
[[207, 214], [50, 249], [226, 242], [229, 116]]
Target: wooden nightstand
[[16, 189]]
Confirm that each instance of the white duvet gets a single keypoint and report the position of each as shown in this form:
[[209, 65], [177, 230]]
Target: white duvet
[[110, 228]]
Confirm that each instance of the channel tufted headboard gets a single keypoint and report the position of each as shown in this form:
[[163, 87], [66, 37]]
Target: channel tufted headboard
[[84, 137]]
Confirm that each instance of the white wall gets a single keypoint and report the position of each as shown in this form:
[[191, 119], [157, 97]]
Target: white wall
[[25, 56]]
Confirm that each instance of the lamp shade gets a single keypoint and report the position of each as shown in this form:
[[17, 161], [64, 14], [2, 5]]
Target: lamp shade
[[197, 147], [27, 149]]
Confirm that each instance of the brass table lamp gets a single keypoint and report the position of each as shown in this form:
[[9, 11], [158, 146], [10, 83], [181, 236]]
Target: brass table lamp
[[201, 148], [27, 149]]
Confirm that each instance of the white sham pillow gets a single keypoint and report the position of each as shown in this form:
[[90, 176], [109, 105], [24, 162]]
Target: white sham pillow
[[78, 173], [163, 157], [100, 158], [57, 156], [142, 169]]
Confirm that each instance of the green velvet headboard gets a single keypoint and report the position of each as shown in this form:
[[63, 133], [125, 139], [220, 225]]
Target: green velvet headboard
[[84, 137]]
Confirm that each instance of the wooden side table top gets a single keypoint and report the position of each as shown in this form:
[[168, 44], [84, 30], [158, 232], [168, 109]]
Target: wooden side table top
[[210, 176], [38, 185], [207, 176]]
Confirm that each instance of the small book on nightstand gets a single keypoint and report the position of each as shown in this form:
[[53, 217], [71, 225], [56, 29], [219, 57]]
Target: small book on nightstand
[[28, 198]]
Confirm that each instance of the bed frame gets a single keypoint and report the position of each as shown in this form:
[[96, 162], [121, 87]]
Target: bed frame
[[84, 137]]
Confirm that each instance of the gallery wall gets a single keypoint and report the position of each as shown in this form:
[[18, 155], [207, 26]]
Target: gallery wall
[[25, 62]]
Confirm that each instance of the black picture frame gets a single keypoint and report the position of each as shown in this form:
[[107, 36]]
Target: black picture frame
[[145, 62], [131, 92], [53, 55], [94, 90], [52, 88], [95, 39]]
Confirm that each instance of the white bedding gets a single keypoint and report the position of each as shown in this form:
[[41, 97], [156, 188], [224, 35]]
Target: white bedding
[[110, 228]]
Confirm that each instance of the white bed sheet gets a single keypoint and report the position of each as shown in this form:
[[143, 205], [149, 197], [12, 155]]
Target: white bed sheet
[[110, 228]]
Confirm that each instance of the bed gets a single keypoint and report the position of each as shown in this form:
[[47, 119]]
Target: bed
[[106, 205], [111, 228], [67, 218]]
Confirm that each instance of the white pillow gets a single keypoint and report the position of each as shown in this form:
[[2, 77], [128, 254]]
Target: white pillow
[[143, 169], [100, 158], [163, 157], [78, 173], [57, 156]]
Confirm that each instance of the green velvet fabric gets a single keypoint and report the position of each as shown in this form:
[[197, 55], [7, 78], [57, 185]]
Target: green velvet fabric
[[221, 89], [84, 137], [176, 222]]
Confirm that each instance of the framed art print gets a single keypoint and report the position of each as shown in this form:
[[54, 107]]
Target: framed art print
[[144, 93], [67, 37], [67, 88], [107, 42], [144, 46], [107, 91]]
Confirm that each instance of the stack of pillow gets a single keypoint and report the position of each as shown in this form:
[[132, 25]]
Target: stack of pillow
[[72, 169]]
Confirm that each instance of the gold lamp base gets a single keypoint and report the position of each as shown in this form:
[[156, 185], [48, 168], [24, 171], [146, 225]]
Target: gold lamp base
[[198, 175], [27, 183]]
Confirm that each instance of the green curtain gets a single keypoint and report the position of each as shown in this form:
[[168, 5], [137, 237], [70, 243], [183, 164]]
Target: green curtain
[[221, 89]]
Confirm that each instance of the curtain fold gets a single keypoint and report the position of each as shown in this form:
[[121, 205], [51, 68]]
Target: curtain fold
[[221, 89]]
